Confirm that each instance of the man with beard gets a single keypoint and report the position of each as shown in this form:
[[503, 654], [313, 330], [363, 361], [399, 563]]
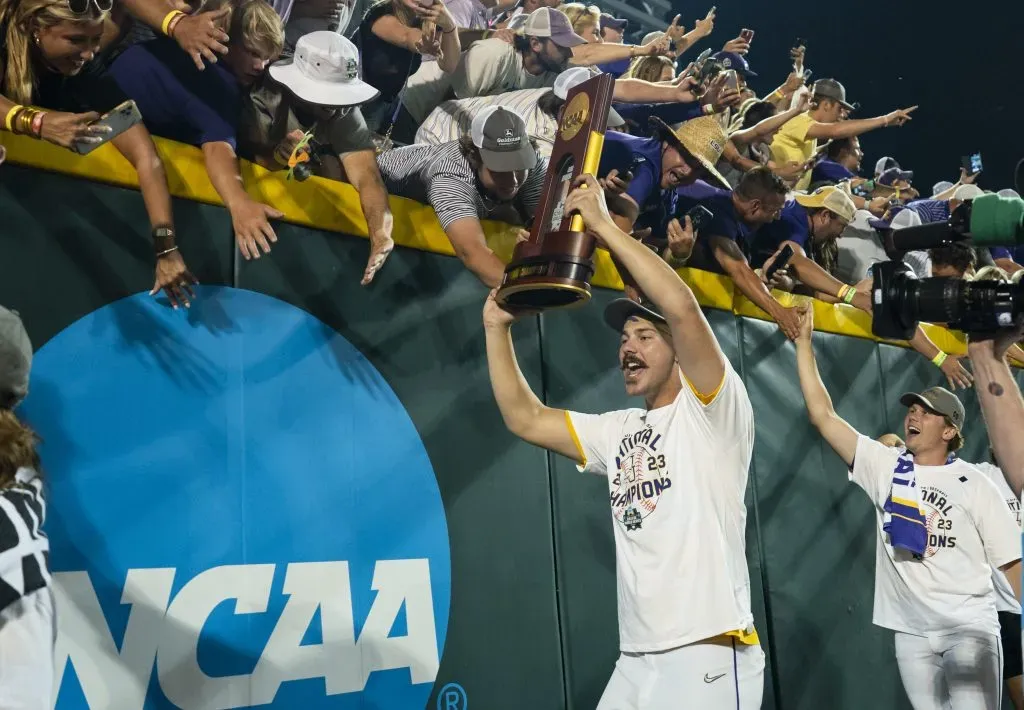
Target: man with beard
[[941, 526], [494, 167], [675, 515]]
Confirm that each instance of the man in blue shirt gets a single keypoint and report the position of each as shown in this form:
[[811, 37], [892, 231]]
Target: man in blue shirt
[[672, 159], [841, 162], [202, 108], [811, 224]]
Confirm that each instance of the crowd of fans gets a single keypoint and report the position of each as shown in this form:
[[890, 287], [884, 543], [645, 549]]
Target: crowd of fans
[[457, 104]]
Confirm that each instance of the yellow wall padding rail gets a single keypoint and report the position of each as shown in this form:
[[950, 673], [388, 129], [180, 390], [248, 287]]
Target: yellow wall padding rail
[[334, 206]]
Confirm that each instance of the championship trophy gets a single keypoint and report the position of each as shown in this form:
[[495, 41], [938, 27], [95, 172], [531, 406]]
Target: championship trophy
[[553, 268]]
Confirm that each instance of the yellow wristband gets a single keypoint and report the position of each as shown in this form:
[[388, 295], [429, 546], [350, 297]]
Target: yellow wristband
[[10, 116], [851, 293], [939, 359], [165, 25]]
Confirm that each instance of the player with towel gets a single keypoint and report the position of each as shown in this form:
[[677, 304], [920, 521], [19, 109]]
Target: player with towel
[[942, 527], [685, 626]]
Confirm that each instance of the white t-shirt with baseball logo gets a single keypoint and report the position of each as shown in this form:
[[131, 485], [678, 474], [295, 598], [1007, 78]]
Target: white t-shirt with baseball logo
[[1005, 599], [970, 531], [676, 480]]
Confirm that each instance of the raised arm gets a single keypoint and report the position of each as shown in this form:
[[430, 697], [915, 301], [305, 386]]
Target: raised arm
[[734, 263], [591, 54], [524, 414], [846, 129], [765, 127], [836, 431], [1001, 405], [699, 356]]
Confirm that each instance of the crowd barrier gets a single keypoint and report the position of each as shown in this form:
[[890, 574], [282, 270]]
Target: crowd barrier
[[299, 493]]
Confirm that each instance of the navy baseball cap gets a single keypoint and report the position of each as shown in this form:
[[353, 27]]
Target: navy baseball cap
[[732, 60], [892, 175], [613, 22]]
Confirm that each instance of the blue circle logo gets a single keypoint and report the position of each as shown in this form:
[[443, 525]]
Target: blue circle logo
[[241, 513]]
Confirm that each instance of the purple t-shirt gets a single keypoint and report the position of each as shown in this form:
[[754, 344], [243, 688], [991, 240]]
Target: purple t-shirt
[[791, 226], [830, 171], [176, 100]]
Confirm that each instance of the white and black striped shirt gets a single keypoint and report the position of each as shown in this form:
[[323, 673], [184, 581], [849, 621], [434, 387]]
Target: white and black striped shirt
[[24, 548], [439, 175]]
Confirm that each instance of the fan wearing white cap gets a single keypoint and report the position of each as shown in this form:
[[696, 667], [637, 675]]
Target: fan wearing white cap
[[316, 95], [491, 172], [941, 527], [540, 108], [545, 46], [675, 471]]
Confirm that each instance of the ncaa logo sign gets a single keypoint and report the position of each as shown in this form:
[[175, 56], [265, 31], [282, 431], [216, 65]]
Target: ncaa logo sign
[[241, 514]]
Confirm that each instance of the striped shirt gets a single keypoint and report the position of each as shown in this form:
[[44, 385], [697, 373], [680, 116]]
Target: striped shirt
[[452, 119], [439, 175], [24, 548], [930, 211]]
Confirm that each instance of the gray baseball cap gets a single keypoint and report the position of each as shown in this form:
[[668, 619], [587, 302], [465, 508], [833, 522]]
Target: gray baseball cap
[[504, 144], [15, 358], [831, 89], [621, 310], [939, 400]]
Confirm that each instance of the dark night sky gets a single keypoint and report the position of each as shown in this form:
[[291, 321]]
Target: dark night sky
[[964, 68]]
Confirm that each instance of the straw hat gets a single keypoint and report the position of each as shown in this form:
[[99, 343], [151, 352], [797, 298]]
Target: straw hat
[[703, 138]]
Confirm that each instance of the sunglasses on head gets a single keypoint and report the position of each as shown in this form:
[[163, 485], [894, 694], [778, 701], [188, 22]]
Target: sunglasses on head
[[81, 7]]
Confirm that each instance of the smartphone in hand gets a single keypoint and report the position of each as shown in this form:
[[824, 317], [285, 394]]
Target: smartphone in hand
[[699, 217], [747, 35], [971, 163], [119, 120]]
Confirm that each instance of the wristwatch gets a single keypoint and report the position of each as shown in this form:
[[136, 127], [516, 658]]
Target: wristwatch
[[163, 240]]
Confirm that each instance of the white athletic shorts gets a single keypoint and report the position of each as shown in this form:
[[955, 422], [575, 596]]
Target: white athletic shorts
[[962, 671], [712, 675], [28, 632]]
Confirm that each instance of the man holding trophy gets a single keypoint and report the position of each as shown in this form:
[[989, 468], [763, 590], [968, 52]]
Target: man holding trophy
[[685, 622]]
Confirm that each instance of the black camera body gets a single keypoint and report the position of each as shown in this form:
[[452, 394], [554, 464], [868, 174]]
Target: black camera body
[[902, 301]]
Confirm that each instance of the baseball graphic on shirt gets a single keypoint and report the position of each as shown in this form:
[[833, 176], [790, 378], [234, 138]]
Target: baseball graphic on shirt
[[640, 478], [931, 526]]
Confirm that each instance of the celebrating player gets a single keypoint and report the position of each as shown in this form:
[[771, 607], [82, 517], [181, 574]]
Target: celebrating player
[[677, 473], [942, 526]]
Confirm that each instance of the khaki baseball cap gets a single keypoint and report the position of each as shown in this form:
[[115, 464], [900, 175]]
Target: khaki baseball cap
[[831, 198], [941, 401]]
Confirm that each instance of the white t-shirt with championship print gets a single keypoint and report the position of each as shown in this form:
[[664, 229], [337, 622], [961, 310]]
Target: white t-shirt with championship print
[[1005, 599], [970, 531], [676, 479]]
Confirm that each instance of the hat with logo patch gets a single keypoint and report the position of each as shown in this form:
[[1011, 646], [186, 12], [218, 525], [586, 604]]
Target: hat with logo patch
[[940, 401], [15, 358], [324, 71], [702, 137], [732, 60], [549, 23], [831, 89], [893, 175], [621, 310], [831, 198], [504, 144], [573, 77]]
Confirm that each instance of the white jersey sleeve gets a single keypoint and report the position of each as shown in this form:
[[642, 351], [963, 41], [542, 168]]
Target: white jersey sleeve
[[594, 435], [873, 466], [996, 524]]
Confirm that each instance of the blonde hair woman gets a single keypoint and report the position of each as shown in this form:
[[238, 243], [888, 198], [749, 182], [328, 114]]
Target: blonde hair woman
[[47, 58], [27, 622], [652, 69], [585, 20]]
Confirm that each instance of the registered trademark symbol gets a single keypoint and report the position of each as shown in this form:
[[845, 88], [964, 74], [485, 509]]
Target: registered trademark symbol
[[452, 697]]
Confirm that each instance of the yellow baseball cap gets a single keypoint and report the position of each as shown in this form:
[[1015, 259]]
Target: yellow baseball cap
[[831, 198]]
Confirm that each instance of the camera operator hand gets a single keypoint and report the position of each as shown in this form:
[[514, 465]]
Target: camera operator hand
[[899, 117]]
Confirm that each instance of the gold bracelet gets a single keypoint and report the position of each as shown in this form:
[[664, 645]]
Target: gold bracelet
[[25, 121], [10, 115]]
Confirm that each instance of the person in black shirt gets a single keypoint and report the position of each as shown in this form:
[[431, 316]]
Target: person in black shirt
[[48, 56]]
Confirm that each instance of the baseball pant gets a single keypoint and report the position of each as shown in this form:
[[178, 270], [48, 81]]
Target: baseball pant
[[712, 675], [962, 671]]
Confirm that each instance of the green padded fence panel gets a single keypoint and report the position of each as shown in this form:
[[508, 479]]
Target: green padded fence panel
[[817, 528]]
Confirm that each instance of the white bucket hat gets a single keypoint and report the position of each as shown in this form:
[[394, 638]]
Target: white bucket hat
[[324, 71]]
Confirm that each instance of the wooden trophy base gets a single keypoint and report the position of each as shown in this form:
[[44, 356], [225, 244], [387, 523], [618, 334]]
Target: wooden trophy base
[[555, 275]]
